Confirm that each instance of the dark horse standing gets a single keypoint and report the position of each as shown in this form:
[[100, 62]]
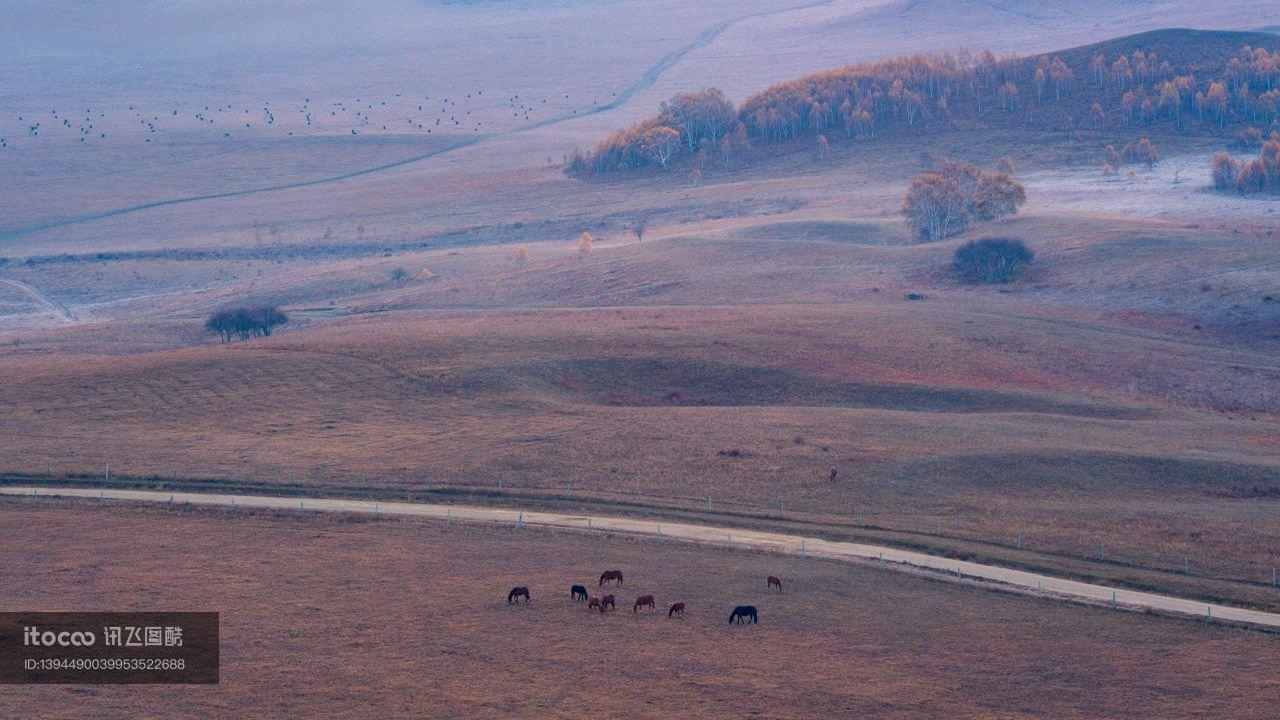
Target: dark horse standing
[[742, 612], [517, 593], [608, 575], [578, 592]]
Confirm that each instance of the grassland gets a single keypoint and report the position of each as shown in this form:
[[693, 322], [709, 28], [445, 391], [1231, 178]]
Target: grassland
[[1124, 394], [324, 617]]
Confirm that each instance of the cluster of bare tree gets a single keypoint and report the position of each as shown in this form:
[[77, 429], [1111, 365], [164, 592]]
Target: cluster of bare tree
[[245, 322], [1211, 88], [942, 87], [1261, 174], [991, 260], [943, 202], [700, 124]]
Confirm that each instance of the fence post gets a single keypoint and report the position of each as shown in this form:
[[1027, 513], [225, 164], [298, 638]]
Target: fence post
[[449, 514], [1019, 539], [302, 506], [107, 475], [937, 529], [102, 498], [729, 542], [659, 532], [708, 503], [1210, 609], [588, 524], [1102, 552], [1273, 578], [520, 519], [881, 561], [804, 551], [1040, 588], [1113, 599], [782, 509], [1186, 564]]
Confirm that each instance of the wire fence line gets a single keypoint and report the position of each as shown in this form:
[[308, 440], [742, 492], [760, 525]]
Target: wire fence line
[[924, 528]]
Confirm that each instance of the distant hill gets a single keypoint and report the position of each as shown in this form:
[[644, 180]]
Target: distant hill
[[1168, 82]]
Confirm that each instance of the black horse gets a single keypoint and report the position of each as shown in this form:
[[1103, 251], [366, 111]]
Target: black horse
[[742, 612], [517, 593], [578, 592]]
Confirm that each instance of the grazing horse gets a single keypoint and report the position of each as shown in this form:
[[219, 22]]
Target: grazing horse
[[517, 593], [742, 612], [608, 601], [608, 575], [644, 601], [676, 609], [577, 592], [594, 602], [774, 580]]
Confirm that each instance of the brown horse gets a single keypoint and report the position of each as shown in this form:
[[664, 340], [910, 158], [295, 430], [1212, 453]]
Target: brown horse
[[676, 609], [644, 601], [608, 601], [608, 575], [774, 581], [517, 593], [594, 602]]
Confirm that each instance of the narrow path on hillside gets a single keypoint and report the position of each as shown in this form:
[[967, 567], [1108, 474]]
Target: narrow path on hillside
[[58, 308], [887, 557], [646, 80]]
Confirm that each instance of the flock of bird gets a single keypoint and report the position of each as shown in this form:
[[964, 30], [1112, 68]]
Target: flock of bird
[[472, 112]]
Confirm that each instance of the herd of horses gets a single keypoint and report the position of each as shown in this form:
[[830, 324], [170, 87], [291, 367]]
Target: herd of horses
[[741, 614]]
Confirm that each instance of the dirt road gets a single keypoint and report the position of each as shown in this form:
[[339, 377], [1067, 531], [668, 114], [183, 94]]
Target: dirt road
[[61, 310], [891, 558]]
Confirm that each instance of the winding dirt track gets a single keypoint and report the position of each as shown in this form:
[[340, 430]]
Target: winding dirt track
[[892, 558], [58, 308]]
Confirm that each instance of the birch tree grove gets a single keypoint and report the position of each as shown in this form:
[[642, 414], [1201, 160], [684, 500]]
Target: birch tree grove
[[1218, 89]]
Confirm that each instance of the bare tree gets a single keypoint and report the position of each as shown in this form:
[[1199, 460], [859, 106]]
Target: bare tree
[[245, 322], [997, 196], [936, 207], [661, 143], [1224, 170]]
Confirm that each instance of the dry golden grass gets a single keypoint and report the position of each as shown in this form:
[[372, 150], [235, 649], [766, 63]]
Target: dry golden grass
[[997, 412], [324, 617]]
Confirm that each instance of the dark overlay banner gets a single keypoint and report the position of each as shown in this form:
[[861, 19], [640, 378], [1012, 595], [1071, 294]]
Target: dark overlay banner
[[109, 647]]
